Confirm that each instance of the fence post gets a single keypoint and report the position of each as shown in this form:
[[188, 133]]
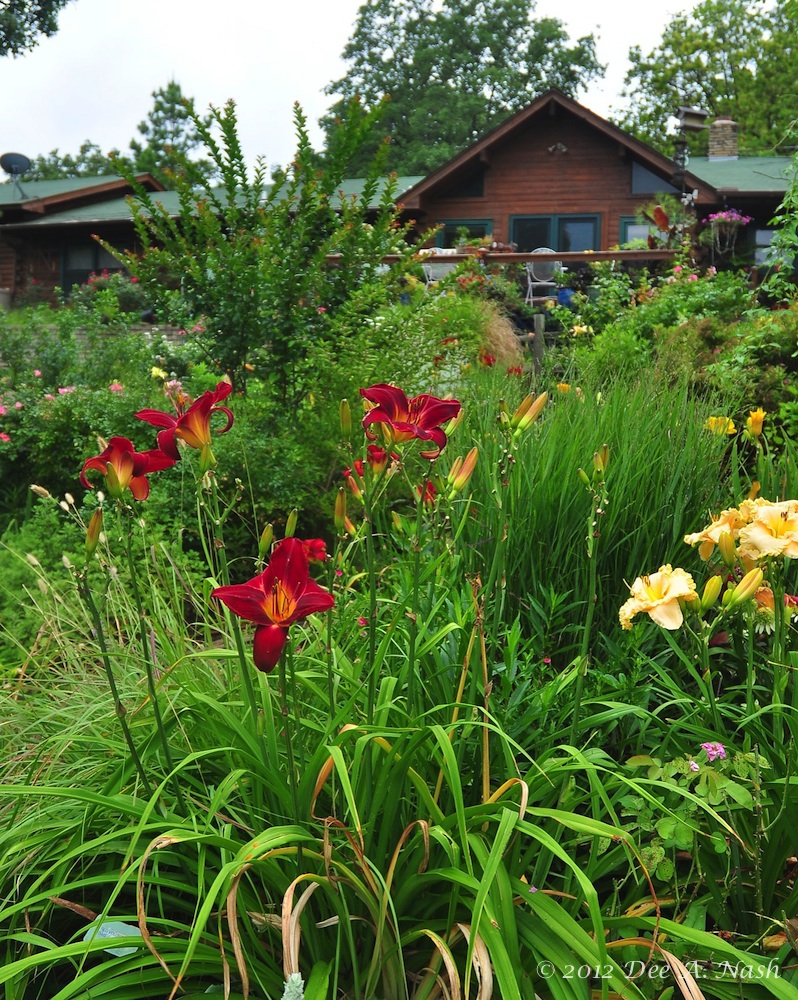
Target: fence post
[[539, 343]]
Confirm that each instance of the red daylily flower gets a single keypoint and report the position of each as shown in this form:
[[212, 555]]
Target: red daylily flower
[[406, 419], [125, 468], [427, 493], [192, 426], [315, 549], [282, 594]]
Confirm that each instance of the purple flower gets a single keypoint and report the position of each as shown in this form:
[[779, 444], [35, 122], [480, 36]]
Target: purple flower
[[714, 751], [695, 766]]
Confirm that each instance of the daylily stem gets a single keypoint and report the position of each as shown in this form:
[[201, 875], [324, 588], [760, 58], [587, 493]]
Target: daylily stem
[[413, 634], [371, 696], [289, 747], [150, 668], [85, 592], [220, 551]]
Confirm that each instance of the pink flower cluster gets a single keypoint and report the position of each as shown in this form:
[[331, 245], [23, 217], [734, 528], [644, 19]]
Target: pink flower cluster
[[733, 216], [714, 751]]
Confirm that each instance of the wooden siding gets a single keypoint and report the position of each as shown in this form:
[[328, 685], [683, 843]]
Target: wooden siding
[[7, 266], [592, 175]]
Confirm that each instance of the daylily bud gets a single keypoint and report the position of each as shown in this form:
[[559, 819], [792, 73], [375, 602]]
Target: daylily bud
[[754, 491], [93, 532], [746, 588], [531, 414], [349, 528], [503, 419], [583, 477], [345, 416], [290, 524], [601, 459], [207, 459], [503, 408], [340, 510], [727, 548], [454, 423], [523, 407], [711, 592], [398, 523], [265, 541], [459, 476], [112, 482]]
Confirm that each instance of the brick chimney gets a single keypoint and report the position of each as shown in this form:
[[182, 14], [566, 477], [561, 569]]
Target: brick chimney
[[723, 139]]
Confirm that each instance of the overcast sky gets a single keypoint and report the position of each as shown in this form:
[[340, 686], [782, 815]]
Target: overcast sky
[[94, 78]]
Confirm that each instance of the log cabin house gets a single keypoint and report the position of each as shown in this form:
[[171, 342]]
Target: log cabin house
[[554, 175]]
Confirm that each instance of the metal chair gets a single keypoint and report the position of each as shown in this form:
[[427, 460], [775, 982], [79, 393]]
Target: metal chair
[[541, 278], [433, 273]]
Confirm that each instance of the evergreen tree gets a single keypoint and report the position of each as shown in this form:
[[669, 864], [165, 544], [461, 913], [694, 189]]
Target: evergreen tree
[[451, 70], [170, 137]]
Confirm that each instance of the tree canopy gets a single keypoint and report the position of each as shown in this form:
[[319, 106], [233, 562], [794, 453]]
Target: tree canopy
[[23, 21], [745, 70], [452, 70]]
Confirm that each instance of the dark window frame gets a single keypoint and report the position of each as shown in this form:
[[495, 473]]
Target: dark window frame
[[100, 261], [554, 221], [454, 224]]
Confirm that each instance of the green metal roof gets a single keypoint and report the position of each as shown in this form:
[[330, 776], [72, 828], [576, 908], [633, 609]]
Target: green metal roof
[[34, 190], [118, 209], [746, 174], [113, 210]]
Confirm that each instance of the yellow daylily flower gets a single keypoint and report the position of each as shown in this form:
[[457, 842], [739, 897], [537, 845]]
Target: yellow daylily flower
[[720, 425], [728, 522], [658, 596], [773, 531], [754, 422]]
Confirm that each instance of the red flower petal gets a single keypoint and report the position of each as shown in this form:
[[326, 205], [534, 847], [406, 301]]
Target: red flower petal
[[268, 645]]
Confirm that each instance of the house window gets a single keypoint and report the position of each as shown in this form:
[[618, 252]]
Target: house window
[[468, 186], [454, 230], [762, 241], [568, 233], [634, 231], [645, 181], [80, 260]]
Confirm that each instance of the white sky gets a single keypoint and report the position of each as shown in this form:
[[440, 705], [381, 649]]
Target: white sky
[[94, 78]]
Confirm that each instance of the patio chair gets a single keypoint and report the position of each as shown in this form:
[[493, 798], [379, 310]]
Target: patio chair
[[433, 273], [541, 278]]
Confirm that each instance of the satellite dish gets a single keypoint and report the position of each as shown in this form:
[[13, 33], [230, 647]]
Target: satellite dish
[[15, 164]]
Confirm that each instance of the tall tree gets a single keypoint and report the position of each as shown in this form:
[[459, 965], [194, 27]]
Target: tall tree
[[745, 69], [452, 70], [170, 137], [22, 21]]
